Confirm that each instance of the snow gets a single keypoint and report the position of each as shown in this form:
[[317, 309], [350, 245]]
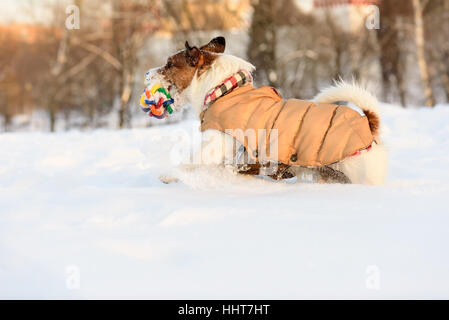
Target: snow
[[83, 215]]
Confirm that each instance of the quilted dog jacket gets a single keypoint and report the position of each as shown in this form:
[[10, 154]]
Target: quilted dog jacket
[[308, 134]]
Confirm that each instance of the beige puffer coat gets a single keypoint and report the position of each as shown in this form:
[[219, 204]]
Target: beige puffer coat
[[308, 134]]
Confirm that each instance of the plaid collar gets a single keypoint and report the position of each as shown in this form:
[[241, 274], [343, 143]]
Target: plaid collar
[[237, 80]]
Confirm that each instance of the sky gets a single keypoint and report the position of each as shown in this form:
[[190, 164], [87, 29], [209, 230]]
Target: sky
[[23, 10], [32, 10]]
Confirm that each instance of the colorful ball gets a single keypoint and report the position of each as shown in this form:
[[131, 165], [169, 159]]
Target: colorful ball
[[156, 101]]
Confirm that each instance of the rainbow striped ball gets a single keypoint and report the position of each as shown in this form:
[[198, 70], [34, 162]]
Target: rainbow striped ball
[[156, 101]]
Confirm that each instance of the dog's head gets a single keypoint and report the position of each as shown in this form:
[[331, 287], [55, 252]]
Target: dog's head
[[181, 68]]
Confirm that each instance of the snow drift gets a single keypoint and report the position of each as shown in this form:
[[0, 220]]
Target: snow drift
[[83, 215]]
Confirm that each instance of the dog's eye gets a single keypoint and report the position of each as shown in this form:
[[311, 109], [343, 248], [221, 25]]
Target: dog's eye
[[169, 64]]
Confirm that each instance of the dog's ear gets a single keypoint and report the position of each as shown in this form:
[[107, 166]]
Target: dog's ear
[[216, 45], [193, 55]]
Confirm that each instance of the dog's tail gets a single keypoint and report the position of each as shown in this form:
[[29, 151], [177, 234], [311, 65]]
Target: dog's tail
[[354, 93]]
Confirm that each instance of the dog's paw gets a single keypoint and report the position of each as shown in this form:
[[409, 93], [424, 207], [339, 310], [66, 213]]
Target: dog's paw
[[168, 179], [188, 167]]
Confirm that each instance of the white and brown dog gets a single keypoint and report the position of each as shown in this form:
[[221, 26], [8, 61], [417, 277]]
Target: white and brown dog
[[193, 73]]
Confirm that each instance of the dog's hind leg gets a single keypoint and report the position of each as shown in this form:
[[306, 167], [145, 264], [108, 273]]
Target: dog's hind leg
[[319, 175], [368, 168], [328, 175]]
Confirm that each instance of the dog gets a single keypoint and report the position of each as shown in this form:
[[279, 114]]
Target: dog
[[205, 77]]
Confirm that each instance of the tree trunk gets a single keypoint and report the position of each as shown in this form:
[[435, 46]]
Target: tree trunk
[[420, 44], [445, 79], [125, 96], [338, 72], [402, 90], [262, 46], [390, 55], [6, 121], [52, 117]]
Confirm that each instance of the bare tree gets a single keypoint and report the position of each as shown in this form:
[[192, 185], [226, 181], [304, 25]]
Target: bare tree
[[8, 81], [132, 23], [263, 35], [390, 36], [436, 22], [418, 6], [55, 52]]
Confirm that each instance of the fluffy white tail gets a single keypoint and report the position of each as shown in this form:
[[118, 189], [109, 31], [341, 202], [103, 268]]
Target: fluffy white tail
[[354, 93]]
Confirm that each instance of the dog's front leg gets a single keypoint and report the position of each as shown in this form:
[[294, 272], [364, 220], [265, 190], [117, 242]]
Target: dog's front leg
[[167, 179], [216, 149]]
